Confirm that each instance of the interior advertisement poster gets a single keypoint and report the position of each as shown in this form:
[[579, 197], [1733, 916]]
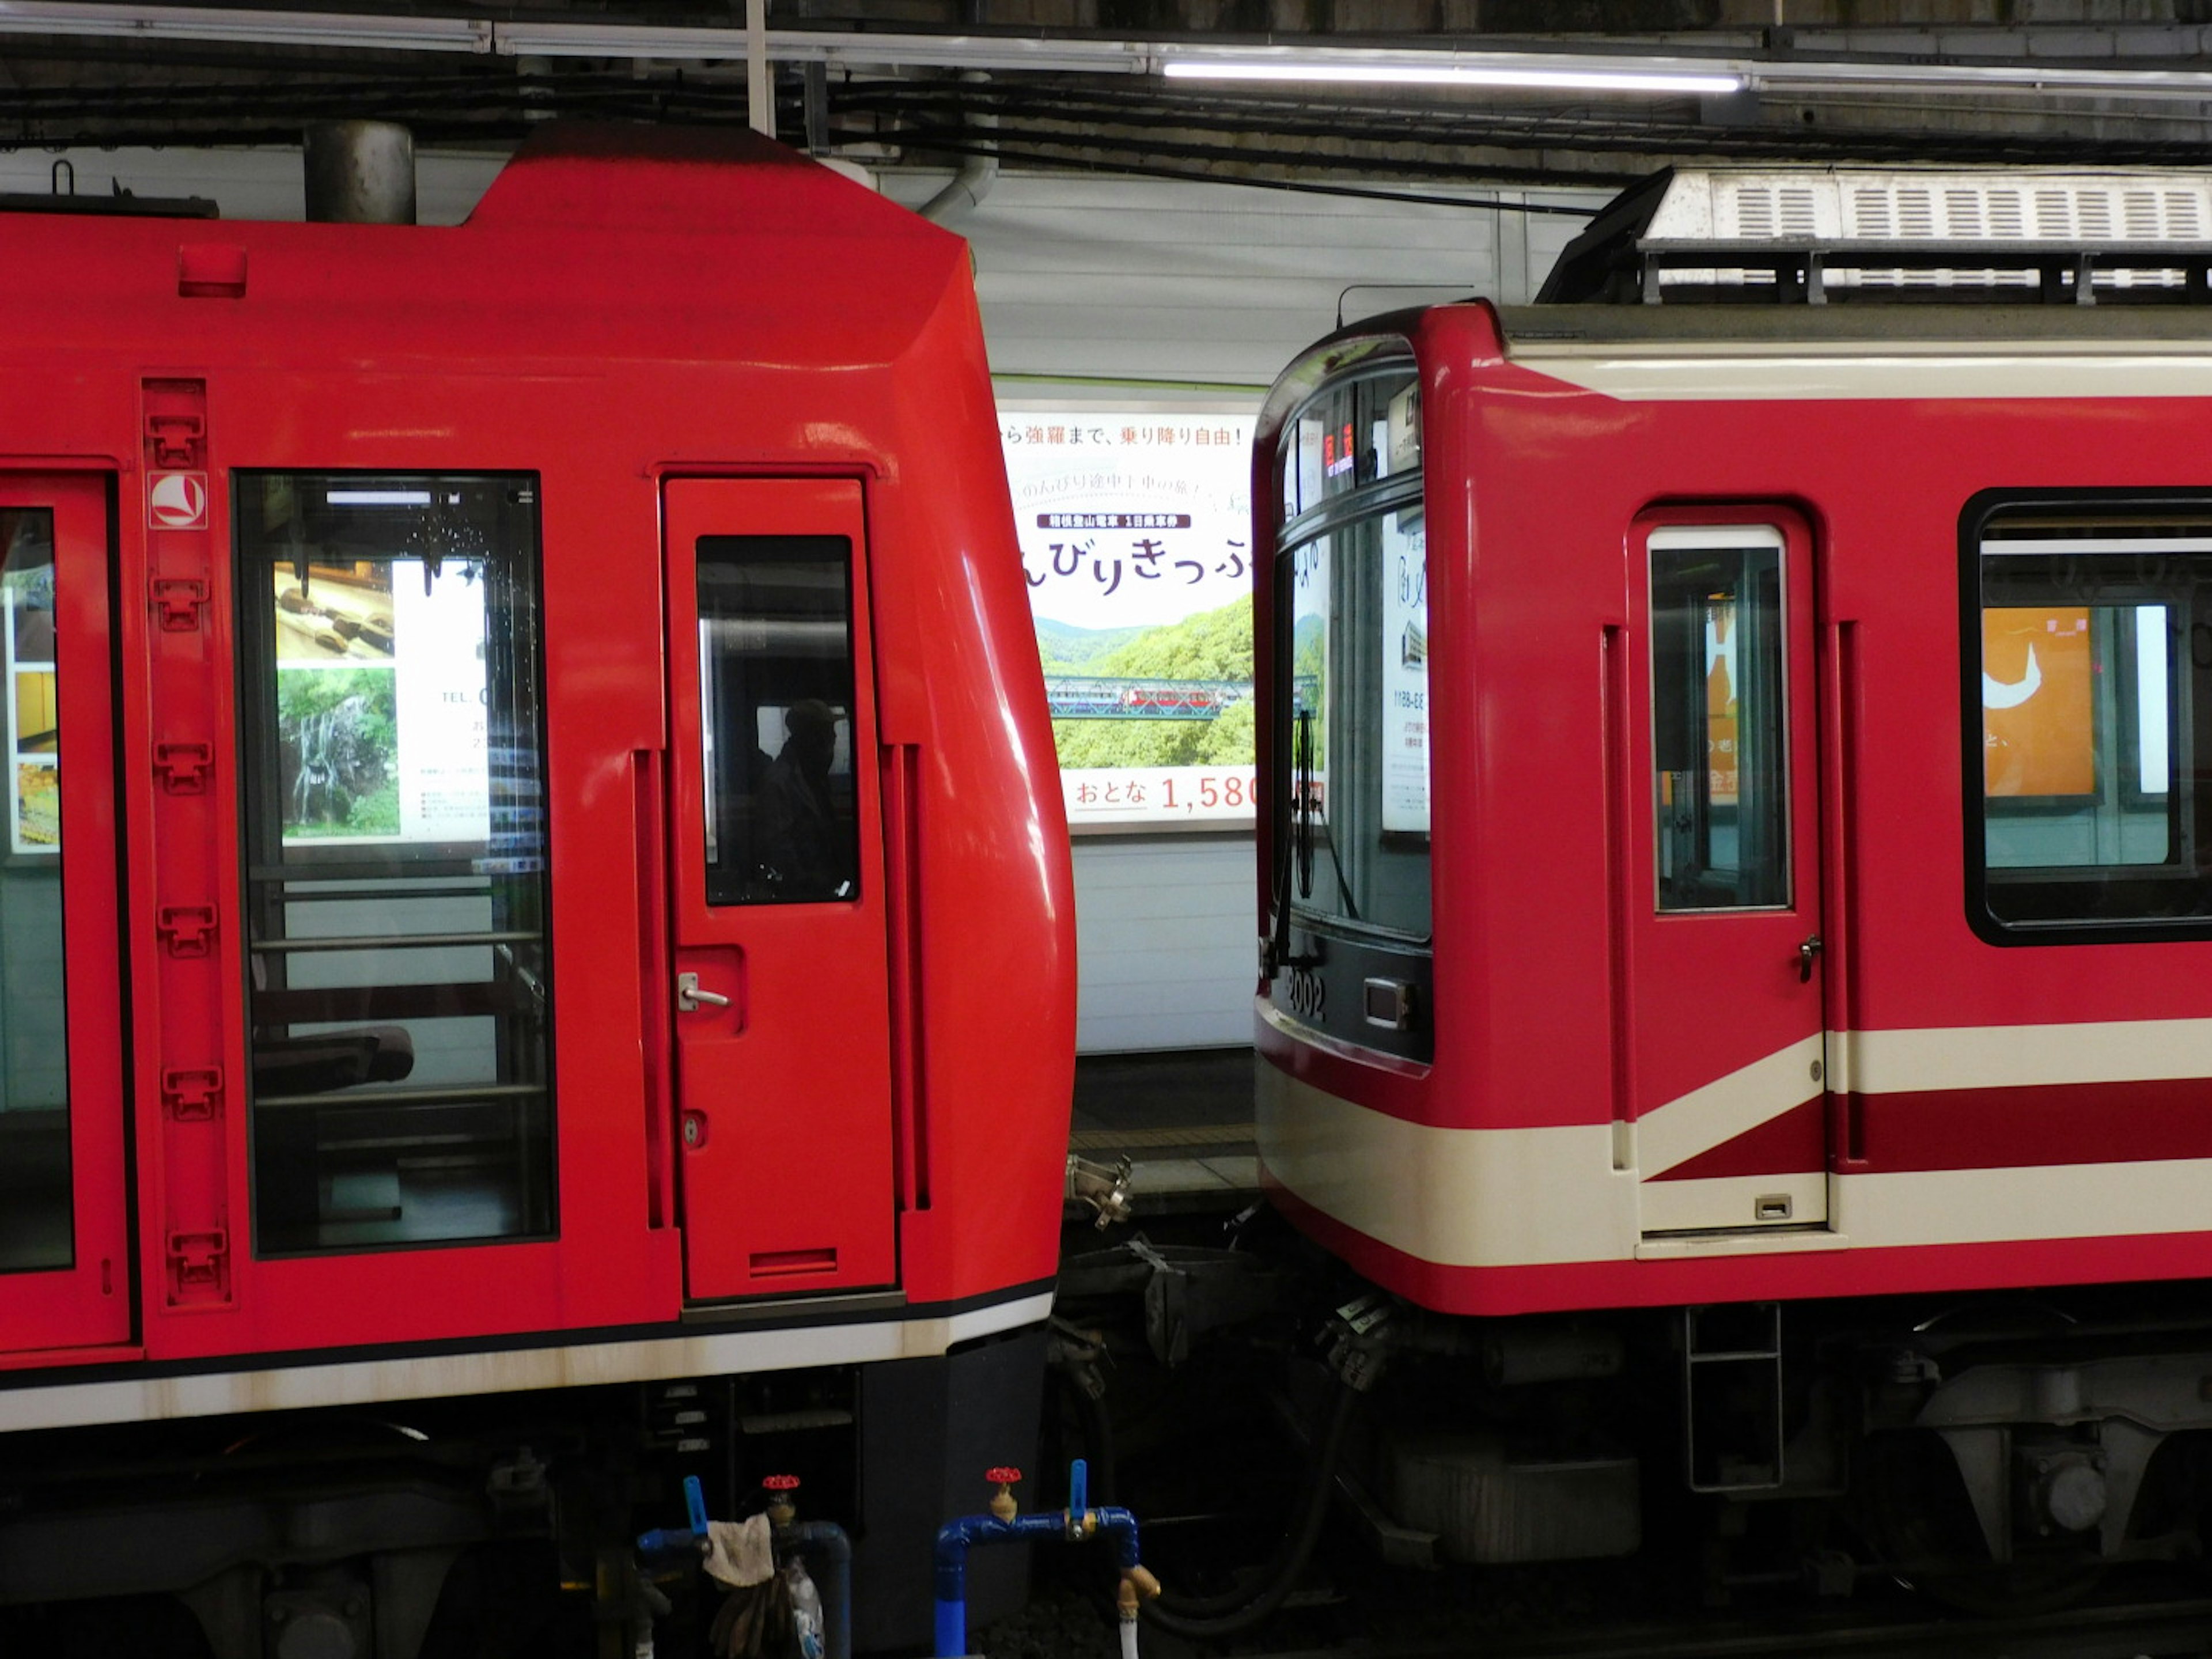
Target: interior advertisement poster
[[2037, 696], [380, 704], [1135, 532], [1405, 676], [34, 807]]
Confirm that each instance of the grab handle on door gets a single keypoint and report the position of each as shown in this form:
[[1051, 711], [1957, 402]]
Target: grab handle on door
[[689, 999], [1806, 952]]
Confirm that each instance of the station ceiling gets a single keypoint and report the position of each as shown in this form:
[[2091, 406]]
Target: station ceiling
[[1080, 83]]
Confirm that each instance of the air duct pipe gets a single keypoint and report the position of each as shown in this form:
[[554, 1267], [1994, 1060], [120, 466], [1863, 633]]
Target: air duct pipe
[[977, 173], [360, 173]]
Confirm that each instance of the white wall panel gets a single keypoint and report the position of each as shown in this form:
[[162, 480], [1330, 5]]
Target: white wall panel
[[1173, 281], [1164, 931]]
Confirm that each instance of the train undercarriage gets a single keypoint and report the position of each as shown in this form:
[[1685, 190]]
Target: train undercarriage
[[1996, 1454]]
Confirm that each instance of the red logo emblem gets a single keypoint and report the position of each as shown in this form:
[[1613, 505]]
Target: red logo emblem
[[176, 501]]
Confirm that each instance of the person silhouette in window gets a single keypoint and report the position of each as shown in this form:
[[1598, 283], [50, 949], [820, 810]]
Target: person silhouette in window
[[800, 843]]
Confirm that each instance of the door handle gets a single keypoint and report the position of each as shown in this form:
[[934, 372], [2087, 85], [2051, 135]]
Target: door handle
[[1806, 952], [689, 999]]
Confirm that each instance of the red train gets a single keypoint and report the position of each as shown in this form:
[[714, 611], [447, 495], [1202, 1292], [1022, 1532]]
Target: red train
[[513, 729], [1737, 888]]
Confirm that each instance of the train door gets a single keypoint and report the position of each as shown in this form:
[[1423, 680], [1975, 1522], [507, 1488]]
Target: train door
[[63, 1279], [781, 996], [1724, 1058]]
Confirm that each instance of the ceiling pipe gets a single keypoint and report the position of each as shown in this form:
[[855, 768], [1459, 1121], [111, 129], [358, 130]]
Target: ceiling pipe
[[977, 173], [2131, 65], [760, 73], [359, 172]]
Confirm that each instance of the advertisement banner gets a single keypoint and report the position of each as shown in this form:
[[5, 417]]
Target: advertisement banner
[[1135, 532], [380, 704], [2039, 717], [34, 808], [1405, 675]]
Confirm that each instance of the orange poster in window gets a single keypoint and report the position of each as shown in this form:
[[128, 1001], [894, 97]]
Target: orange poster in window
[[1721, 760], [2038, 730]]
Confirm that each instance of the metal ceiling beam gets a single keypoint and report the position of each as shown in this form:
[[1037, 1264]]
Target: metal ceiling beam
[[2168, 64]]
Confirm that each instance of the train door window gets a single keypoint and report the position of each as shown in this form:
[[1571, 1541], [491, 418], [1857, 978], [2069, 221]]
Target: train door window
[[2089, 656], [1719, 720], [775, 676], [35, 1219], [1357, 606], [400, 993]]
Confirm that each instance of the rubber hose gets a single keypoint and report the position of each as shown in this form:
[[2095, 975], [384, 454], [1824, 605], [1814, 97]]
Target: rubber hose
[[1252, 1582], [1233, 1611]]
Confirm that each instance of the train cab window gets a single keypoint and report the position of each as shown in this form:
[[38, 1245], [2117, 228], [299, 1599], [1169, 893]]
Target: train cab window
[[400, 985], [1348, 709], [775, 680], [1359, 748], [2089, 659], [34, 1101], [1719, 727]]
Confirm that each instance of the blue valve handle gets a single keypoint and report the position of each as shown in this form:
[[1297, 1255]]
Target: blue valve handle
[[664, 1541]]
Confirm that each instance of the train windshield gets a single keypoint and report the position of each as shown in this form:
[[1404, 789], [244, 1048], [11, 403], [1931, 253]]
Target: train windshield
[[1351, 615], [400, 990], [2087, 645]]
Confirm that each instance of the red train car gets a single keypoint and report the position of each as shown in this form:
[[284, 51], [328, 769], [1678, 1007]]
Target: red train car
[[1739, 848], [513, 728]]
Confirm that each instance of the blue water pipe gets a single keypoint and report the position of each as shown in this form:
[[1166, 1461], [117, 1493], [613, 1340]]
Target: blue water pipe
[[1074, 1524], [823, 1542], [664, 1543]]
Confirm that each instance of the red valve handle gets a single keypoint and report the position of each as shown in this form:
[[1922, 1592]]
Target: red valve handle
[[1006, 1477], [780, 1483]]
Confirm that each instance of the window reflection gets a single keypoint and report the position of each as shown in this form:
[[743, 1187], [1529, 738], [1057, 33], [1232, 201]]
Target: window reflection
[[775, 694], [2093, 670], [1719, 727], [400, 986], [1359, 738], [34, 1107]]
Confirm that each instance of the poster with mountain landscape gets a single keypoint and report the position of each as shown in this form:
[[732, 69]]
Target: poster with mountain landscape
[[1135, 532]]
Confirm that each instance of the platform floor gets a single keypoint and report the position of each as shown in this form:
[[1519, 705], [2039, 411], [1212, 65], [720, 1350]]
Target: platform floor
[[1183, 1118]]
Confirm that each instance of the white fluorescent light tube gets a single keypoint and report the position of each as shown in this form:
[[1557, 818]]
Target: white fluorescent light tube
[[1561, 78], [378, 498], [157, 22]]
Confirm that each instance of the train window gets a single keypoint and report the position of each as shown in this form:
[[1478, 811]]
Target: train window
[[2089, 654], [1719, 724], [775, 694], [1358, 432], [35, 1105], [1357, 749], [400, 988]]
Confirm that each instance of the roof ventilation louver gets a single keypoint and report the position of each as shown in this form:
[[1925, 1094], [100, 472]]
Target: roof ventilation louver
[[2139, 214], [1754, 213], [1871, 215], [1862, 234], [1799, 219], [1915, 214]]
